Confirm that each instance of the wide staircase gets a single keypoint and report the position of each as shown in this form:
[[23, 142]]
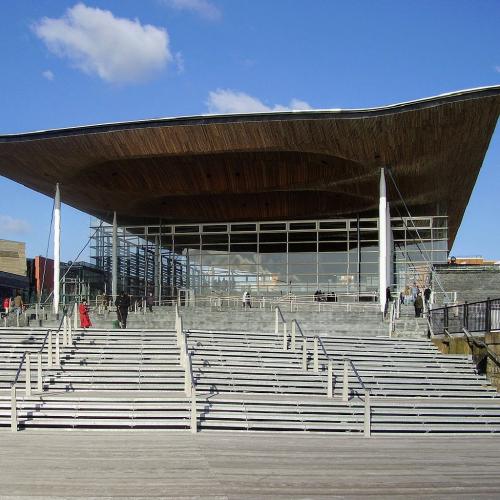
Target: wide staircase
[[247, 379]]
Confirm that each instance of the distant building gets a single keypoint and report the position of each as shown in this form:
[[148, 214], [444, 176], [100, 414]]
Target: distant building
[[13, 276], [476, 260]]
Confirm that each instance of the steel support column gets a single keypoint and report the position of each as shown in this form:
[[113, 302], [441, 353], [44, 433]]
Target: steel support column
[[57, 248], [382, 239]]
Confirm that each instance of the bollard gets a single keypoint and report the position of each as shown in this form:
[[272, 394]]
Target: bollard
[[27, 378], [39, 372], [13, 409], [194, 417], [315, 359], [345, 382], [276, 321], [304, 354], [294, 326], [58, 351], [285, 337], [49, 351], [329, 388], [368, 416]]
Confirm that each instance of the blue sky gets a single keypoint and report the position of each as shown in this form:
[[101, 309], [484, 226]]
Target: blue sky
[[68, 63]]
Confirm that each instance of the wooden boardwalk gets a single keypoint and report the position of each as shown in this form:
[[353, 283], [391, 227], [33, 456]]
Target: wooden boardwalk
[[229, 465]]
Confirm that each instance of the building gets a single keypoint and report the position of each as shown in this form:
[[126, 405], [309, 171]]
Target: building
[[349, 201], [13, 277]]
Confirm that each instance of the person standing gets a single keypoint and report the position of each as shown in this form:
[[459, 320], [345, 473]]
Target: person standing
[[248, 300], [419, 305], [84, 315], [6, 305], [18, 304], [427, 297], [122, 304], [150, 301]]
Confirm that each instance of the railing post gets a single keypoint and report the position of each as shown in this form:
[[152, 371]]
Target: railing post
[[345, 382], [39, 372], [315, 358], [329, 388], [58, 351], [65, 330], [75, 316], [285, 337], [304, 354], [70, 333], [466, 315], [292, 342], [276, 321], [194, 416], [445, 319], [187, 378], [368, 416], [49, 351], [27, 378], [13, 409], [488, 316]]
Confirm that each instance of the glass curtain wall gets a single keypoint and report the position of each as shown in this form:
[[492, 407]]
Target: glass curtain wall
[[267, 258]]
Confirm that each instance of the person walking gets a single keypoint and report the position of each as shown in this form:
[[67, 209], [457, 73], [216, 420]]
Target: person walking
[[122, 304], [84, 315], [419, 305], [150, 301], [248, 300]]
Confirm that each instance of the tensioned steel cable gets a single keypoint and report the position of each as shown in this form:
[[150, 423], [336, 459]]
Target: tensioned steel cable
[[426, 255], [76, 258], [47, 251]]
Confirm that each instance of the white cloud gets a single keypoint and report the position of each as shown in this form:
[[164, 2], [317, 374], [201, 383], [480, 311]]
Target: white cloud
[[203, 8], [118, 50], [226, 101], [11, 225], [48, 75]]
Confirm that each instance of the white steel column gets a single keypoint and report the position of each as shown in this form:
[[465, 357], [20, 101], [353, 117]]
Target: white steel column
[[114, 259], [389, 240], [57, 248], [382, 240], [157, 268]]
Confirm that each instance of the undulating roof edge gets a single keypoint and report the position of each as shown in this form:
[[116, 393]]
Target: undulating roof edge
[[310, 114]]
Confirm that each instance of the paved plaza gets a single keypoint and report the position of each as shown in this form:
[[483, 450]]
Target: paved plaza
[[140, 464]]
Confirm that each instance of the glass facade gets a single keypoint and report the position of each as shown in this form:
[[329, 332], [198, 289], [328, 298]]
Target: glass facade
[[266, 258]]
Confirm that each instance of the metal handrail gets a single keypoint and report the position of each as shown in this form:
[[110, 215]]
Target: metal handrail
[[350, 361], [479, 343], [277, 308], [16, 378]]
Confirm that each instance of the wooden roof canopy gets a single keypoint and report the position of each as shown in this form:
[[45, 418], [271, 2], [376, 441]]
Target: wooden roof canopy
[[265, 166]]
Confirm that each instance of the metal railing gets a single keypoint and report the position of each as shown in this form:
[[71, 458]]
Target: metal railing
[[482, 345], [482, 316], [25, 362], [348, 365], [187, 363]]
